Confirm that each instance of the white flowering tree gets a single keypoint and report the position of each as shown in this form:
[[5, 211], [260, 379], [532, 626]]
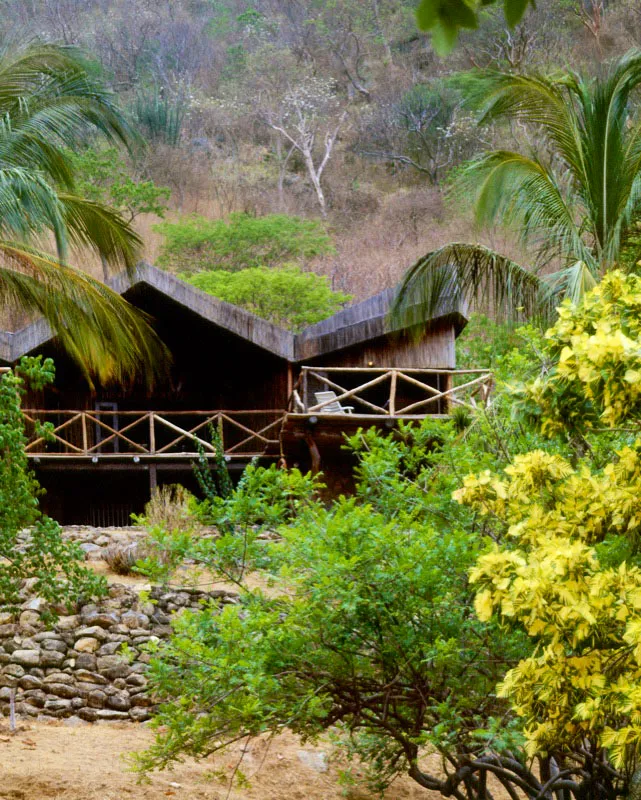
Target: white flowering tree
[[307, 118]]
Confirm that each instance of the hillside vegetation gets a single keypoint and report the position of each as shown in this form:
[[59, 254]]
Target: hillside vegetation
[[336, 112]]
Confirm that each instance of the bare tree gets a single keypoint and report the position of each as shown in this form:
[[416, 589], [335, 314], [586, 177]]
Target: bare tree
[[307, 114]]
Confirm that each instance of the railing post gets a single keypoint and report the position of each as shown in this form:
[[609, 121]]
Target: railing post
[[449, 382], [152, 433], [305, 397], [220, 423], [392, 394], [85, 438]]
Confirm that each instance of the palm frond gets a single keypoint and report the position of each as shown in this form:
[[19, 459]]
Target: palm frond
[[93, 225], [108, 338], [541, 101], [467, 273], [35, 77], [572, 282], [521, 192], [29, 205], [47, 103]]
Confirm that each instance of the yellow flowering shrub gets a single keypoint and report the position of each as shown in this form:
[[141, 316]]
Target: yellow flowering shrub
[[563, 565], [544, 574], [595, 379]]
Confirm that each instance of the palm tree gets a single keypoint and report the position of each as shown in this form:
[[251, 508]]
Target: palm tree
[[48, 102], [574, 207]]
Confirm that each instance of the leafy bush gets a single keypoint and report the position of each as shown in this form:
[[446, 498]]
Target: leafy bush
[[196, 243], [287, 297], [244, 517], [51, 563], [484, 342], [104, 176], [373, 614]]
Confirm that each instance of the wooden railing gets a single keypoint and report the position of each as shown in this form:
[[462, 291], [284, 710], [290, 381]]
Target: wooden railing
[[145, 435], [391, 391]]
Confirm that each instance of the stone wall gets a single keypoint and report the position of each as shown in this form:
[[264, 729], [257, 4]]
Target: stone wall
[[75, 668]]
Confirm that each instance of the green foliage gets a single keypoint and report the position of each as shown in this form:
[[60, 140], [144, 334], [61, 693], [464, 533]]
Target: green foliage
[[104, 177], [445, 18], [484, 342], [264, 498], [213, 476], [50, 563], [565, 566], [242, 516], [287, 297], [49, 103], [578, 208], [196, 243], [160, 116], [366, 630]]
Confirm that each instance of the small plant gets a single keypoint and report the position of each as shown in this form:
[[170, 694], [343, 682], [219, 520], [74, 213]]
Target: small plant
[[122, 558], [461, 418], [212, 475], [50, 563], [160, 117], [169, 506]]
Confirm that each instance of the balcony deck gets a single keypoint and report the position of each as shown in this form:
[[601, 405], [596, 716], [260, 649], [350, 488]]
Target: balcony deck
[[360, 398]]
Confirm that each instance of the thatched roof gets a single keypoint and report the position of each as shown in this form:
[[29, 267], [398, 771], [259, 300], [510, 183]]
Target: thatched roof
[[358, 323]]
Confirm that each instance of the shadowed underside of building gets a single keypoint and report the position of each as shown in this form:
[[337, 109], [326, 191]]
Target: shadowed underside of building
[[259, 385]]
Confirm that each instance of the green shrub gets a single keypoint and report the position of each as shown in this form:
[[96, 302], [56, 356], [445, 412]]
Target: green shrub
[[105, 177], [287, 297], [50, 563], [196, 243]]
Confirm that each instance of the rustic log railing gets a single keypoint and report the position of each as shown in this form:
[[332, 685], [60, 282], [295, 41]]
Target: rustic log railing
[[392, 391], [156, 435]]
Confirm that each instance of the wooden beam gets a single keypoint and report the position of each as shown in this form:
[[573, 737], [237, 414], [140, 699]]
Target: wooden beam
[[184, 433], [351, 393]]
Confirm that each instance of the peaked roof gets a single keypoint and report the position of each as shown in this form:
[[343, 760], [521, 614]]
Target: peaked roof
[[359, 323]]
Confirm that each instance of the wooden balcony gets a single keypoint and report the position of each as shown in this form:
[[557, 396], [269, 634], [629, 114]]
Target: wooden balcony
[[156, 436], [361, 397], [390, 392]]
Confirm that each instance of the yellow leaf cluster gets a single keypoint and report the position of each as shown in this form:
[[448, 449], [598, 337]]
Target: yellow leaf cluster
[[597, 377], [584, 678]]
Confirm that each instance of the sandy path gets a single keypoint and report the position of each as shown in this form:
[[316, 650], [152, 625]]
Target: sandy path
[[48, 760]]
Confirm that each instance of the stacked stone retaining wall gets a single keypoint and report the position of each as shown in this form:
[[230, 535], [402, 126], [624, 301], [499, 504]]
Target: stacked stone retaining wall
[[76, 668]]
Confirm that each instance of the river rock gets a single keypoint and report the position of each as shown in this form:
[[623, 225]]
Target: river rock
[[27, 658]]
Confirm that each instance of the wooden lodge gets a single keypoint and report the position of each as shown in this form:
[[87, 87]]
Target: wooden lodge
[[270, 393]]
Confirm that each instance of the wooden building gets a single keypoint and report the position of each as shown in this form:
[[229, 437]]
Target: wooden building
[[257, 383]]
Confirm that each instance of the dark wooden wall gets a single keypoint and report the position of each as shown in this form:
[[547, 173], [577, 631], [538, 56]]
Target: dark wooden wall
[[212, 369], [435, 349]]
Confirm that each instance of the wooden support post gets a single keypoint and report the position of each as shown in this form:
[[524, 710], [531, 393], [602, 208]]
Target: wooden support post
[[392, 394], [305, 396], [290, 380], [449, 383], [152, 434], [85, 438], [153, 479]]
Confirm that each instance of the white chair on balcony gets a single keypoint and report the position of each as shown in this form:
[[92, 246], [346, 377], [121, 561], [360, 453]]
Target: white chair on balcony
[[333, 406]]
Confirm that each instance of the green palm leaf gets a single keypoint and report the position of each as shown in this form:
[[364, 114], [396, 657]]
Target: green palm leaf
[[575, 209], [463, 273], [48, 103], [116, 339]]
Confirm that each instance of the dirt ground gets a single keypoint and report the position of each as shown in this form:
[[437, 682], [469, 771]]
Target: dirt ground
[[57, 761]]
